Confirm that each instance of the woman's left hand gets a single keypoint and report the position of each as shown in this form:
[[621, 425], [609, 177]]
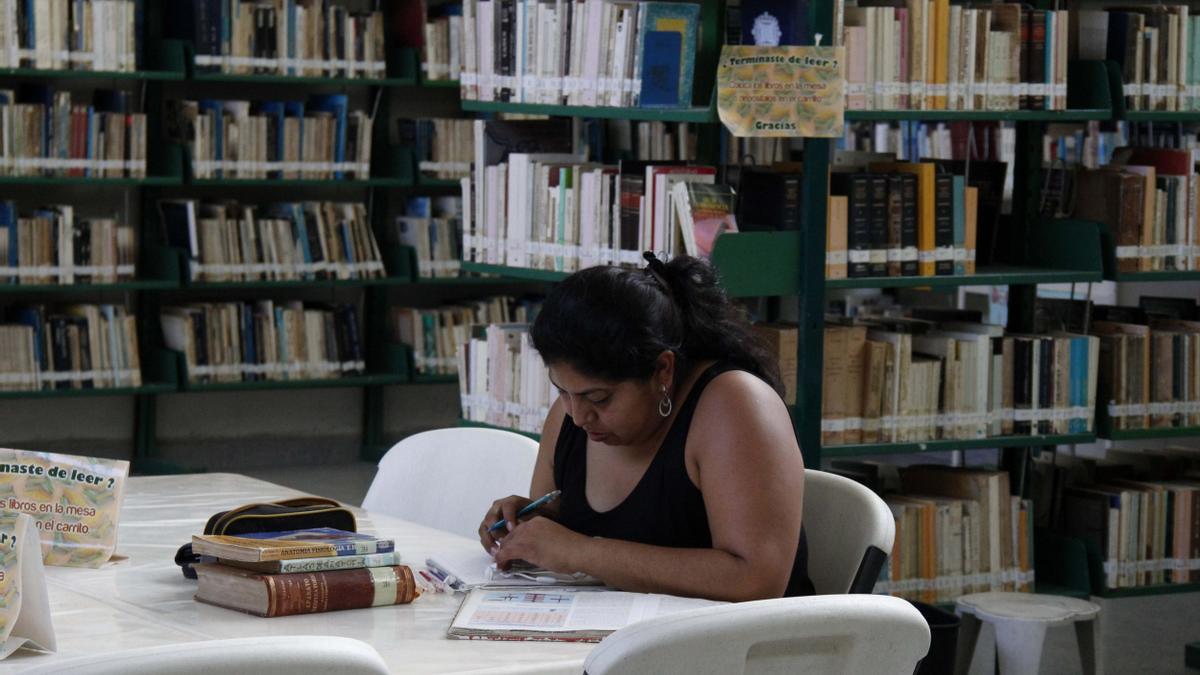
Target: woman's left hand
[[541, 542]]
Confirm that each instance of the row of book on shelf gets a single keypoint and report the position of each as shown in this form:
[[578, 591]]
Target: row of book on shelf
[[1137, 511], [51, 245], [68, 347], [70, 34], [1149, 368], [434, 334], [317, 139], [446, 147], [264, 340], [618, 54], [932, 55], [503, 382], [958, 530], [899, 379], [1149, 198], [282, 37], [549, 208], [274, 573], [1155, 47], [228, 241], [432, 227], [44, 132]]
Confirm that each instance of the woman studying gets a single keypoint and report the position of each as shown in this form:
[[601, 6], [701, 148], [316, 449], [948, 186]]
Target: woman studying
[[672, 448]]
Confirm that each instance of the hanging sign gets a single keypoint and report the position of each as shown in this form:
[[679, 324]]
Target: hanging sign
[[781, 91]]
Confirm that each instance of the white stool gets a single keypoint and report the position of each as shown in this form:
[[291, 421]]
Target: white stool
[[1021, 620]]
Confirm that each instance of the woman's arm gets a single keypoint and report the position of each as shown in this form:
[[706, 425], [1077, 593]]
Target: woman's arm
[[742, 449], [506, 507]]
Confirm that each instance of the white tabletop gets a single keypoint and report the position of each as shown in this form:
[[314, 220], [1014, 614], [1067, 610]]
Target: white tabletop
[[145, 600]]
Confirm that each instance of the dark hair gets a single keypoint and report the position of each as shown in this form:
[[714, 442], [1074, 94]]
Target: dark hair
[[612, 322]]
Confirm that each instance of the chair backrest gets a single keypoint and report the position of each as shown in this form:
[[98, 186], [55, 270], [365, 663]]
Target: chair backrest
[[280, 655], [447, 478], [850, 533], [861, 634]]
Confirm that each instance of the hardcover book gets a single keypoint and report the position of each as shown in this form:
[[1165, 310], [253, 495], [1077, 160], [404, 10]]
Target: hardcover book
[[305, 592], [675, 17]]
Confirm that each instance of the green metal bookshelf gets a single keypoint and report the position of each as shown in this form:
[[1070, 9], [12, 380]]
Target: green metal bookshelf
[[988, 275], [145, 389], [914, 447], [700, 115]]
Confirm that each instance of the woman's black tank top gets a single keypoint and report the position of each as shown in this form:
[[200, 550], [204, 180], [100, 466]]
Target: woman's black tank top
[[665, 507]]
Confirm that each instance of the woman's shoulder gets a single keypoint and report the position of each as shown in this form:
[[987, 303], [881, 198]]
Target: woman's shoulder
[[737, 403]]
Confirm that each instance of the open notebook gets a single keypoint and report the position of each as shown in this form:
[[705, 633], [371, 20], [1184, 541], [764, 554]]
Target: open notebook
[[465, 569], [561, 613]]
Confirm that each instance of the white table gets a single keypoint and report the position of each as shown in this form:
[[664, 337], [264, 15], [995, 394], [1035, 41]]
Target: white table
[[145, 600]]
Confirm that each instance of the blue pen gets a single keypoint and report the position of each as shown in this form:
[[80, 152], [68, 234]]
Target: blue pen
[[529, 508]]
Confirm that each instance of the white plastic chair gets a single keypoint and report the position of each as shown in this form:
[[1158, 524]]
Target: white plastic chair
[[283, 655], [861, 634], [447, 478], [850, 533]]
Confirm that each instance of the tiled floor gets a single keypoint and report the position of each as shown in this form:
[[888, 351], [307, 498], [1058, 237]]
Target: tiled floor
[[1142, 636]]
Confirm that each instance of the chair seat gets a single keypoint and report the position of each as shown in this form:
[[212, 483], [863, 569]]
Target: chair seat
[[1041, 608]]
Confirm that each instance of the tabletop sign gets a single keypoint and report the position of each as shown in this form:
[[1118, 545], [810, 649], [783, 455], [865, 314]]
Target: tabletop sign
[[24, 603], [74, 501], [781, 91]]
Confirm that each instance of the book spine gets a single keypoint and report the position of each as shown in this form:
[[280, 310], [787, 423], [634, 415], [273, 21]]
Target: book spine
[[859, 239], [879, 225], [943, 225], [313, 592], [908, 227], [337, 563]]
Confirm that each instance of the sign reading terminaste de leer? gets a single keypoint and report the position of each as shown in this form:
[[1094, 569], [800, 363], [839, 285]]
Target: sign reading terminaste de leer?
[[781, 91], [75, 502]]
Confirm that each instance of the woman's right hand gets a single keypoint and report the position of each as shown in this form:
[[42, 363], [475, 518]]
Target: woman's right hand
[[505, 508]]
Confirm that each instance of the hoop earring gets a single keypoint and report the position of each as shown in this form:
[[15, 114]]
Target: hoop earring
[[665, 406]]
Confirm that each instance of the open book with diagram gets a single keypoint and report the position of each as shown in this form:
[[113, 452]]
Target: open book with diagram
[[465, 569], [562, 613]]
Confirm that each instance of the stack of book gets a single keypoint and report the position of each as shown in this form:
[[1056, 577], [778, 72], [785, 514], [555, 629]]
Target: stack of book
[[653, 141], [906, 380], [320, 139], [264, 340], [931, 55], [70, 34], [435, 334], [1155, 47], [502, 380], [445, 147], [432, 226], [71, 347], [958, 530], [227, 241], [52, 246], [48, 133], [1148, 197], [301, 572], [580, 54], [1137, 510], [758, 151], [548, 208], [443, 43], [282, 37]]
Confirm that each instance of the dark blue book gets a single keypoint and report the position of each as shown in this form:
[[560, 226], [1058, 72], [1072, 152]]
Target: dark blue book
[[770, 23], [419, 207], [336, 104], [660, 69], [32, 317], [179, 225], [217, 108], [111, 100], [8, 221]]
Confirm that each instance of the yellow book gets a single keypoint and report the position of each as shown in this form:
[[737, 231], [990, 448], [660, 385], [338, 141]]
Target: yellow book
[[941, 51], [971, 219], [925, 174], [836, 265]]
